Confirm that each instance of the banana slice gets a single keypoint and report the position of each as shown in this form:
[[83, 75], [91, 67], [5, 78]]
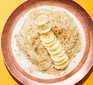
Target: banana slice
[[47, 38], [45, 28], [58, 58], [63, 66], [41, 20], [49, 44], [61, 62], [62, 53], [55, 52], [44, 31], [55, 46]]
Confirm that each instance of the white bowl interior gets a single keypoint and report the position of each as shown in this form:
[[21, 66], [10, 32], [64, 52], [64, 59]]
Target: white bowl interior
[[25, 63]]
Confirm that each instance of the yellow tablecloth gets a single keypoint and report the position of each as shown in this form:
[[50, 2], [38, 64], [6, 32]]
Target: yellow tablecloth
[[6, 8]]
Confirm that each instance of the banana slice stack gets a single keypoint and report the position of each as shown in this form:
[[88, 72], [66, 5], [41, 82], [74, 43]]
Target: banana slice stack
[[58, 55], [52, 44]]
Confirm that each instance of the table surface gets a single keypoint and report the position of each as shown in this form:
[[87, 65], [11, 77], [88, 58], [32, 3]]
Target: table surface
[[6, 8]]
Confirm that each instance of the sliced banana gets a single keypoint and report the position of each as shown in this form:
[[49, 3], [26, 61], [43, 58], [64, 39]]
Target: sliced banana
[[47, 38], [41, 20], [45, 28], [61, 62], [55, 49], [44, 31], [62, 52], [49, 44], [55, 52], [63, 66], [58, 58], [55, 46]]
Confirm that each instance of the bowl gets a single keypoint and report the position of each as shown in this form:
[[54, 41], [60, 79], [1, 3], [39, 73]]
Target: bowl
[[16, 19]]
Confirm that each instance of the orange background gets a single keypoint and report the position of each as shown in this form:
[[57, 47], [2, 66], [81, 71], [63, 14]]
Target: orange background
[[6, 8]]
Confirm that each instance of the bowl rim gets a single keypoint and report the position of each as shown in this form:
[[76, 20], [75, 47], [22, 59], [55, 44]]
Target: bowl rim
[[14, 68]]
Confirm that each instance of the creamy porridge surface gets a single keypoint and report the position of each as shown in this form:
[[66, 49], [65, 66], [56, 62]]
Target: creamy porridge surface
[[48, 40]]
